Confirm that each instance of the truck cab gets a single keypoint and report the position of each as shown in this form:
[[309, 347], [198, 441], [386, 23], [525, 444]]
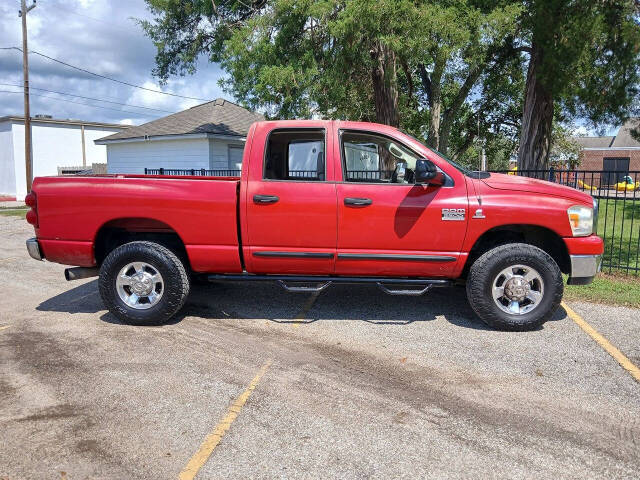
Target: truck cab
[[330, 198]]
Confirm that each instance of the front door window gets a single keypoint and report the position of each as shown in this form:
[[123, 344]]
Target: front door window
[[374, 158]]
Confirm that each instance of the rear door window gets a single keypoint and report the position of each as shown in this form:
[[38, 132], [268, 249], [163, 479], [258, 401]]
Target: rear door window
[[297, 154]]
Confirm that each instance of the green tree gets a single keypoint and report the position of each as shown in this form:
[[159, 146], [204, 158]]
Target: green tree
[[565, 150], [420, 65], [584, 60]]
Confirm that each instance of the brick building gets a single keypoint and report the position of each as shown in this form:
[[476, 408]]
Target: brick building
[[618, 154]]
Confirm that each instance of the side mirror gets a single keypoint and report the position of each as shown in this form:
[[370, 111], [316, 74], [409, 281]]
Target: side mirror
[[427, 173]]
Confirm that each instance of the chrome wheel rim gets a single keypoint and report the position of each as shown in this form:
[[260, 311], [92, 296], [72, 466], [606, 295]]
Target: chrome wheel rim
[[139, 285], [518, 289]]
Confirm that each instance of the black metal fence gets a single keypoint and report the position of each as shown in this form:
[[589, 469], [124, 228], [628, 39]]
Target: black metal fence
[[369, 174], [311, 174], [618, 194], [201, 172]]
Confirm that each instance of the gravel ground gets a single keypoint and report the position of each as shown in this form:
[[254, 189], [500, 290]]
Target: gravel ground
[[365, 386]]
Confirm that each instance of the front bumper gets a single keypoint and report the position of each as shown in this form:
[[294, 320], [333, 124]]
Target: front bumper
[[33, 247], [585, 255], [584, 269]]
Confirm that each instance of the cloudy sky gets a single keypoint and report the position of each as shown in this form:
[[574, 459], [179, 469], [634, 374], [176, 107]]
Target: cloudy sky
[[100, 36]]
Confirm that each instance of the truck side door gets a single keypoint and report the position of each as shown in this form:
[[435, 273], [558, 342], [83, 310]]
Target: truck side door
[[388, 226], [291, 213]]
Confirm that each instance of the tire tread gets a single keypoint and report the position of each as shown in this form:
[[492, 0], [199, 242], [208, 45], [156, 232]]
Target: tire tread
[[484, 306], [176, 286]]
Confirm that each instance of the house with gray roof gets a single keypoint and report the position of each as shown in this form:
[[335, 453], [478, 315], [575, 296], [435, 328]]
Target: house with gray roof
[[618, 154], [210, 136]]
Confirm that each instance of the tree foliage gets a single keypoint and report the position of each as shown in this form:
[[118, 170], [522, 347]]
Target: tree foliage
[[565, 150], [584, 62], [453, 72]]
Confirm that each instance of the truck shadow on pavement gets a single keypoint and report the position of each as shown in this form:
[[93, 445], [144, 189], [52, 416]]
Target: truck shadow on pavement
[[266, 301]]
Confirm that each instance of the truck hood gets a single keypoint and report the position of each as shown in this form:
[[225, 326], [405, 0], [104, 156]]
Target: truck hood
[[526, 184]]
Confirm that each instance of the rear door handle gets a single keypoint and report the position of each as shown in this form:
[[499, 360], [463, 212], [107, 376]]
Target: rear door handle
[[265, 198], [357, 202]]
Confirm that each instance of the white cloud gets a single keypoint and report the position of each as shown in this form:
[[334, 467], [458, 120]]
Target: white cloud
[[582, 131]]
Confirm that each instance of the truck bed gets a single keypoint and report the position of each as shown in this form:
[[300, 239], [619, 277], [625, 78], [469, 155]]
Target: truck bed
[[201, 210]]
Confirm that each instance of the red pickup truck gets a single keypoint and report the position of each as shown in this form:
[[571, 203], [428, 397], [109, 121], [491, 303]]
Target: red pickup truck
[[321, 202]]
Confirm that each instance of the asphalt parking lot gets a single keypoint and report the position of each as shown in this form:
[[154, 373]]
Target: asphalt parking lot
[[347, 384]]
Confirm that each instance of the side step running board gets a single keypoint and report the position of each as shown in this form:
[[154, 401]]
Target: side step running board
[[422, 285], [303, 289], [405, 291]]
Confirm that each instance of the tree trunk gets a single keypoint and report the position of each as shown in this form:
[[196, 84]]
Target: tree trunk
[[385, 84], [435, 103], [537, 120]]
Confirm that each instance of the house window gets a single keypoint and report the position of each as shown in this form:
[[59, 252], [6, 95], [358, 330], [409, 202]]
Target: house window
[[614, 169], [235, 157]]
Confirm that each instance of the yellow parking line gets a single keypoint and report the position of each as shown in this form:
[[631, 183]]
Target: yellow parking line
[[604, 343], [6, 326], [305, 309], [213, 439]]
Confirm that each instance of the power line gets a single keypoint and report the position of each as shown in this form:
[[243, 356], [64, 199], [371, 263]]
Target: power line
[[87, 98], [107, 78], [113, 25], [71, 101]]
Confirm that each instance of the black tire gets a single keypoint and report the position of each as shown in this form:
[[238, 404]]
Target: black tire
[[174, 276], [487, 268]]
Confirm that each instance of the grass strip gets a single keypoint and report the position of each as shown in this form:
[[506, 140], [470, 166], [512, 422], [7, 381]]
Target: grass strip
[[620, 290]]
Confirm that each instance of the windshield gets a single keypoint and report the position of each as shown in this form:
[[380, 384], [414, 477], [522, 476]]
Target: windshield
[[464, 170]]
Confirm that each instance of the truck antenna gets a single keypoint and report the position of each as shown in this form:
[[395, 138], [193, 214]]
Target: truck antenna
[[480, 165]]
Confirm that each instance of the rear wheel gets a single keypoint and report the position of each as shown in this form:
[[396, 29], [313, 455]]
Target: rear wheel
[[143, 283], [515, 287]]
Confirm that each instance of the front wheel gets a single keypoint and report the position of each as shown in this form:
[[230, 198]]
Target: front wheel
[[143, 283], [515, 287]]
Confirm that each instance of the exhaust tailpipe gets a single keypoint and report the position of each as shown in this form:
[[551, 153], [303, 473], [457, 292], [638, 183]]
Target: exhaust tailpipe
[[77, 273]]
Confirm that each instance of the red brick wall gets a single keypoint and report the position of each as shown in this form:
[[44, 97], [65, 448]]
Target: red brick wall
[[593, 159]]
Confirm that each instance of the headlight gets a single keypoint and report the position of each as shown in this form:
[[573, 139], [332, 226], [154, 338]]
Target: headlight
[[581, 220]]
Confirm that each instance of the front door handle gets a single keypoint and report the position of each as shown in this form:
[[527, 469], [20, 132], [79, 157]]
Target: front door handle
[[357, 202], [265, 198]]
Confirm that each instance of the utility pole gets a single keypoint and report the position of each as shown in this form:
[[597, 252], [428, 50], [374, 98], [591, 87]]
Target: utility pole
[[28, 159]]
